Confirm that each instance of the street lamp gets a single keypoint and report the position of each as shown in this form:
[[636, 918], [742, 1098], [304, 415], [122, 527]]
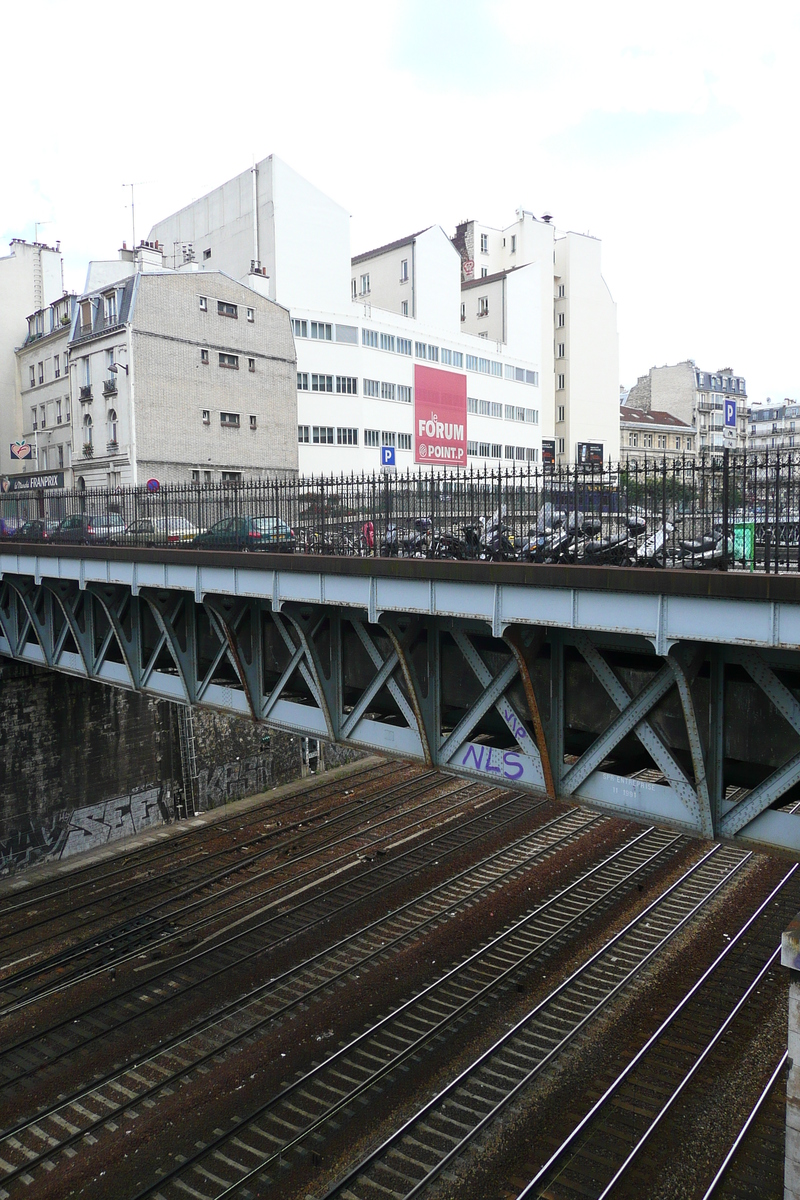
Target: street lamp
[[115, 367]]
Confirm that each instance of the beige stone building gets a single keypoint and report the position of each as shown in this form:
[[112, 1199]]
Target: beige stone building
[[696, 397], [647, 434], [43, 400], [182, 376]]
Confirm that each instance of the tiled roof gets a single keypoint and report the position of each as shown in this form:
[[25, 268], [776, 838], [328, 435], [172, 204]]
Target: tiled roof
[[636, 416]]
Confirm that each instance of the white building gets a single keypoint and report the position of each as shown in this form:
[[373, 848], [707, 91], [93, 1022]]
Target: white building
[[44, 402], [577, 318], [364, 328], [774, 427], [696, 397], [648, 434], [31, 278]]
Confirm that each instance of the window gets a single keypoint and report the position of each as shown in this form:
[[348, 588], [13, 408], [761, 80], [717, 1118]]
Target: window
[[253, 422], [497, 369], [483, 306], [388, 439], [206, 416], [404, 270], [196, 477], [472, 362], [404, 345], [206, 477], [560, 416], [404, 309], [87, 430], [302, 381], [513, 243], [34, 422], [56, 367], [677, 442], [372, 437], [302, 434], [227, 310], [689, 443], [662, 441], [420, 349], [206, 255], [532, 416], [483, 408], [387, 342], [365, 285], [520, 455], [111, 308], [369, 337], [404, 441], [43, 416], [560, 445], [32, 378], [111, 427], [41, 372], [387, 391], [322, 383], [484, 243], [204, 356], [322, 435], [447, 356], [509, 451], [300, 328], [561, 350], [251, 316], [560, 383], [86, 315], [346, 437], [483, 335], [561, 291], [458, 359], [560, 320], [203, 308], [371, 387], [87, 371], [229, 360], [59, 417], [353, 288], [433, 353], [229, 419], [346, 385], [66, 409], [403, 393], [60, 451], [532, 377], [472, 448], [320, 331], [633, 439], [251, 364], [348, 334], [484, 272], [483, 365], [463, 312]]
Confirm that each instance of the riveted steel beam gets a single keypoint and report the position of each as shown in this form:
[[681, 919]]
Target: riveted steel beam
[[684, 667]]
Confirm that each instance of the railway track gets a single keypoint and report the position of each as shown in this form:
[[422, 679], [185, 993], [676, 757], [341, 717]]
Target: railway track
[[752, 1167], [149, 923], [302, 1112], [603, 1154], [91, 1108]]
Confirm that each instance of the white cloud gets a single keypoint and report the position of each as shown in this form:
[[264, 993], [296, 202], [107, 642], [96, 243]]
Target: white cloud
[[669, 133]]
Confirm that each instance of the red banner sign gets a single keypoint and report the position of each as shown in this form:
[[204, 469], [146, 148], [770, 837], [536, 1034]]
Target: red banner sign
[[440, 417]]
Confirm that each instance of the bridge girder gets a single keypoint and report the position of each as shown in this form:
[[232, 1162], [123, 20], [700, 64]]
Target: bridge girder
[[644, 727]]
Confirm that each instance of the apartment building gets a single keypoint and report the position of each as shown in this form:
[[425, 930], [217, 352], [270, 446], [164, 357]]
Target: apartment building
[[776, 427], [697, 397], [645, 434], [577, 318], [31, 279], [43, 399], [379, 336]]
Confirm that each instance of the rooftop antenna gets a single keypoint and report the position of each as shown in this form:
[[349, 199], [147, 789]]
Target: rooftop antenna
[[138, 183], [36, 227]]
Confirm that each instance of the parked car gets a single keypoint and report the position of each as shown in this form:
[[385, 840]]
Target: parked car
[[86, 528], [157, 531], [248, 533], [33, 531], [9, 526]]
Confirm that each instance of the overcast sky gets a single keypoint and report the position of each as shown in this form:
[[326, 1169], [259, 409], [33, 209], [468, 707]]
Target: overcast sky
[[670, 132]]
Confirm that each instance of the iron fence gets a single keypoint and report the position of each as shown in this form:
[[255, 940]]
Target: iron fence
[[732, 510]]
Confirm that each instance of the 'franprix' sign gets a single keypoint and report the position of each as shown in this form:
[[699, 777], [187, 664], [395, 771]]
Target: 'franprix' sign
[[440, 417], [27, 483]]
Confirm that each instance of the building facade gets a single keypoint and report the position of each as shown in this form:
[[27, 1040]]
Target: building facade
[[698, 398], [775, 427], [645, 434], [31, 279], [364, 326], [43, 399]]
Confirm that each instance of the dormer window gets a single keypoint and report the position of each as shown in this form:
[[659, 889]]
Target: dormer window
[[111, 308]]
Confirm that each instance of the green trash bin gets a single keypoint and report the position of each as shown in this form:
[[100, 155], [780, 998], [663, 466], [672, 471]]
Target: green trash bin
[[744, 544]]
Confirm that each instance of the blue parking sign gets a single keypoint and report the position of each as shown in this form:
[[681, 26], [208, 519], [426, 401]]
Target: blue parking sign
[[730, 414], [387, 456]]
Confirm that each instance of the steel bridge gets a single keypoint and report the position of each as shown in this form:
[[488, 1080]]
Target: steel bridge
[[664, 696]]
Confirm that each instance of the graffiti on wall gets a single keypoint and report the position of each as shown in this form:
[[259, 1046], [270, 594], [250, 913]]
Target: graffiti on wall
[[73, 830]]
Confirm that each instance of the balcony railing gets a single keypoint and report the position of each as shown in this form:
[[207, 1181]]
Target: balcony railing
[[86, 391], [88, 450], [112, 447], [109, 387]]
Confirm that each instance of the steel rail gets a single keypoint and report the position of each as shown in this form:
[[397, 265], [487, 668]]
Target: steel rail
[[528, 1191], [728, 1159]]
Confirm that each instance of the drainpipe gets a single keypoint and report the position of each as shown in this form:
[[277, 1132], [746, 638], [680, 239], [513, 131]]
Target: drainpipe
[[256, 259]]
